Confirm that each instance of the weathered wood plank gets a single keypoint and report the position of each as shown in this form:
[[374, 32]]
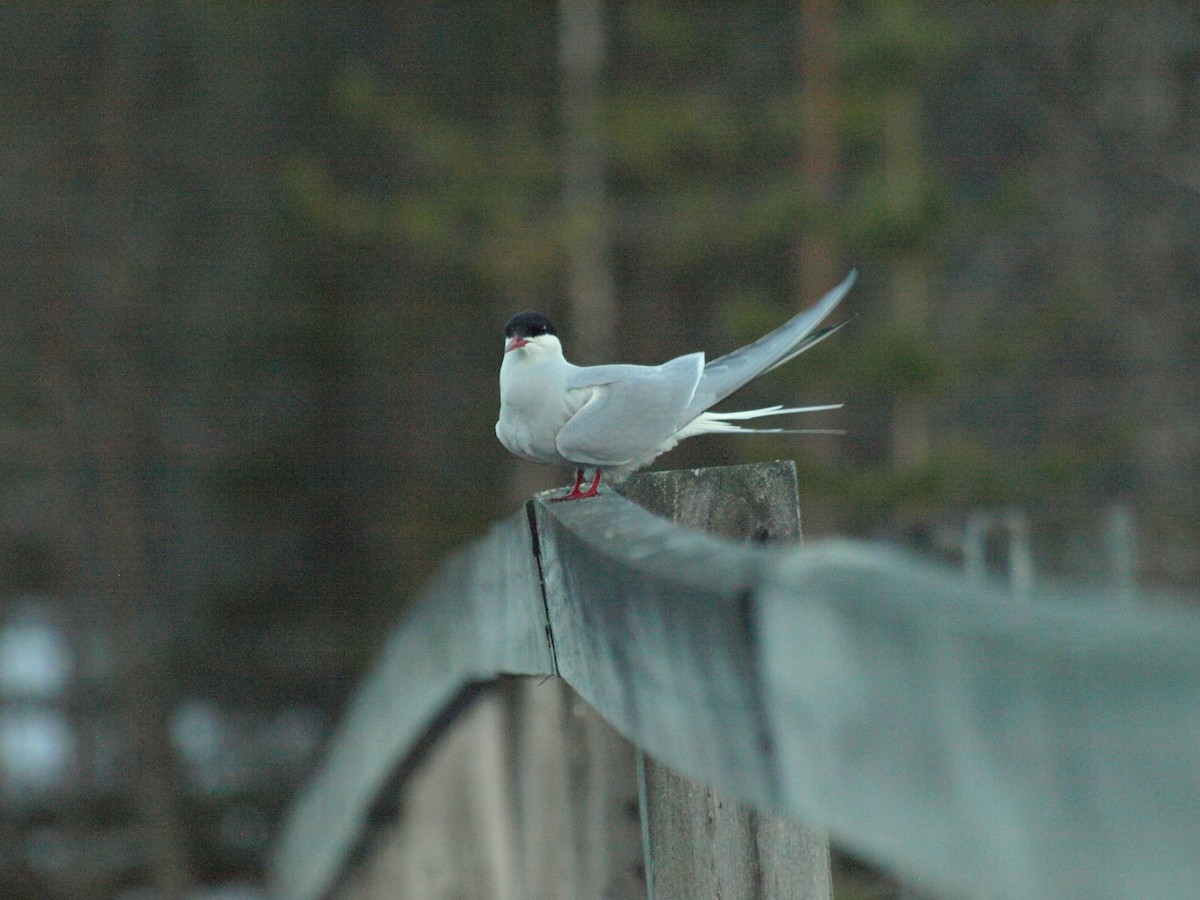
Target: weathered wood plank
[[1042, 750], [652, 627], [749, 503], [451, 834], [526, 793], [481, 614]]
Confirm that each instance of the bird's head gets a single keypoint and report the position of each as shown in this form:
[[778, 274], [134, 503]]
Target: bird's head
[[530, 330]]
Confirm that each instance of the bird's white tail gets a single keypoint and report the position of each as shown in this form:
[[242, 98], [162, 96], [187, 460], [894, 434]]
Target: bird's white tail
[[726, 374], [724, 422]]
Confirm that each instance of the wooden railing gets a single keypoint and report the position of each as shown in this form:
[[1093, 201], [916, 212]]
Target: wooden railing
[[972, 744]]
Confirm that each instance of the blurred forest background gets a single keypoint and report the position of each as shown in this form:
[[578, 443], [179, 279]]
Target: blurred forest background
[[256, 262]]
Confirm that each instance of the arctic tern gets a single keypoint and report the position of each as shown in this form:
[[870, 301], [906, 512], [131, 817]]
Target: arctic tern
[[618, 418]]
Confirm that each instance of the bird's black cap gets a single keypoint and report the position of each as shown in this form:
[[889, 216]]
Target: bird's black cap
[[527, 325]]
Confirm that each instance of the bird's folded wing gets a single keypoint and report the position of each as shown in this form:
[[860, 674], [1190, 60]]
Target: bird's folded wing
[[626, 412]]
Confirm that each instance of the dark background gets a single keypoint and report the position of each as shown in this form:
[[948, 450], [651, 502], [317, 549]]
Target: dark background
[[256, 260]]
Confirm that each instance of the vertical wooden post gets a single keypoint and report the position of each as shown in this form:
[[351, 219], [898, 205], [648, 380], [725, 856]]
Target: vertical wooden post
[[527, 793], [696, 842], [575, 795]]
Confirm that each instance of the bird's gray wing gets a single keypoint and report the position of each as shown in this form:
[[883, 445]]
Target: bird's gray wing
[[726, 374], [625, 412]]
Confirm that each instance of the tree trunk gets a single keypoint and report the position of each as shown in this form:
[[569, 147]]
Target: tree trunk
[[816, 255], [587, 234]]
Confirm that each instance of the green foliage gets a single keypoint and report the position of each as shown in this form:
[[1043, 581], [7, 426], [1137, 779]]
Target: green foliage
[[895, 231], [657, 140], [894, 42], [963, 474], [456, 194], [896, 361], [700, 123]]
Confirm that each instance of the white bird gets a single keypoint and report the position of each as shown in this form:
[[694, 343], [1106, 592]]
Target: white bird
[[618, 418]]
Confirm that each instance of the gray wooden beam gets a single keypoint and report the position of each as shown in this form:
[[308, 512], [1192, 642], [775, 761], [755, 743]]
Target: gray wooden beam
[[980, 747], [451, 833], [481, 614], [525, 793], [653, 627]]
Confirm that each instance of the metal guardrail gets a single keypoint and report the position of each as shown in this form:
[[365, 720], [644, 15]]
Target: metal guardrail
[[972, 744]]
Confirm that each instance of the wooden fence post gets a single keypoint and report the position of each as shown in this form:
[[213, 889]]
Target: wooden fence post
[[698, 843]]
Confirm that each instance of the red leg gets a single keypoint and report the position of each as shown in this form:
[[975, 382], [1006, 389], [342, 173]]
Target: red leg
[[576, 493], [594, 489]]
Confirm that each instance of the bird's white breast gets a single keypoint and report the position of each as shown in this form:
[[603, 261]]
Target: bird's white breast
[[533, 405]]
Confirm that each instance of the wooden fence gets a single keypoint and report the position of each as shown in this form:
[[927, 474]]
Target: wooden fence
[[700, 693]]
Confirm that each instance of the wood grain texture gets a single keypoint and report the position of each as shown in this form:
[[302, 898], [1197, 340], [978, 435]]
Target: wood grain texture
[[700, 843], [747, 504], [481, 614], [450, 835], [527, 793], [652, 627], [705, 844]]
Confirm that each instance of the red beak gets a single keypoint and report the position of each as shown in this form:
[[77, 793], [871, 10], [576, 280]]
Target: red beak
[[514, 343]]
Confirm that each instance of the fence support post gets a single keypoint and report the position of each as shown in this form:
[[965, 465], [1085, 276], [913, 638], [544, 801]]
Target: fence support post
[[696, 842]]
